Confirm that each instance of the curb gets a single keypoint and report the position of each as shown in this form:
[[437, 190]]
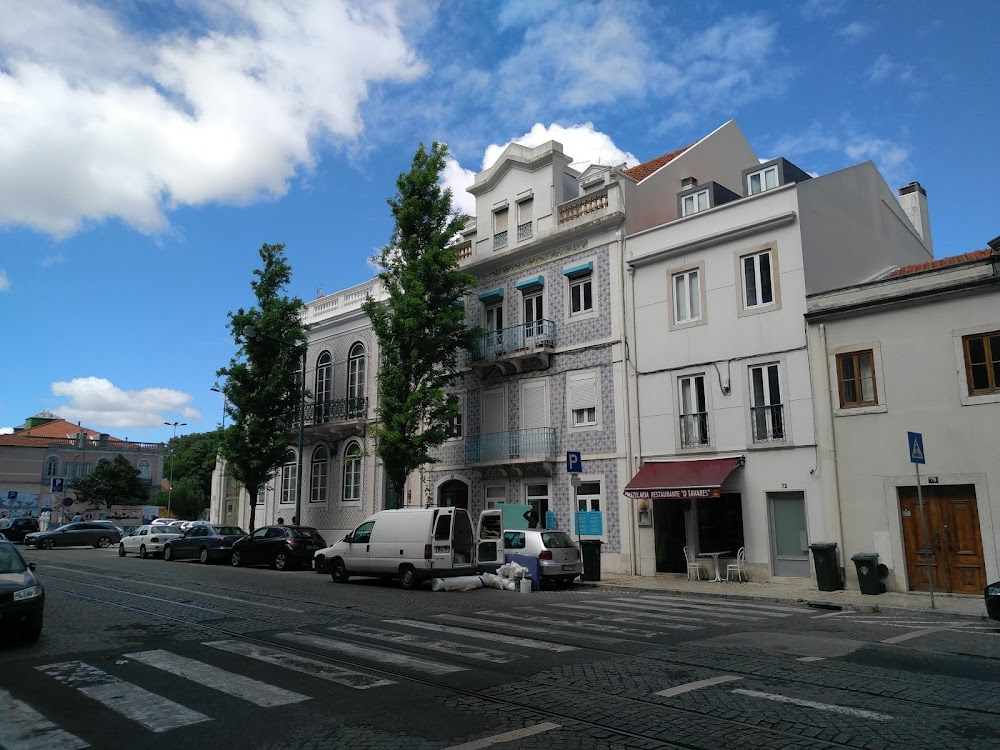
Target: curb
[[818, 604]]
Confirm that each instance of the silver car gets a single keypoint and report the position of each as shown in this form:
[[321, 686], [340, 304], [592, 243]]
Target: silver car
[[559, 559], [78, 534]]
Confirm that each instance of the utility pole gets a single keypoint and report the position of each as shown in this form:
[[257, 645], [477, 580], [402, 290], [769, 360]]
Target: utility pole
[[170, 490]]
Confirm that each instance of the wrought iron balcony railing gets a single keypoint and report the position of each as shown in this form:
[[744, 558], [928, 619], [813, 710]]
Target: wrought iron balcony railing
[[506, 341], [768, 423], [694, 430], [339, 410], [537, 442]]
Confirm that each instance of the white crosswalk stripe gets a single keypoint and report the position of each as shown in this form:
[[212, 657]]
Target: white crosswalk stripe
[[522, 628], [447, 647], [156, 713], [371, 653], [721, 610], [571, 624], [24, 728], [729, 602], [636, 617], [512, 640]]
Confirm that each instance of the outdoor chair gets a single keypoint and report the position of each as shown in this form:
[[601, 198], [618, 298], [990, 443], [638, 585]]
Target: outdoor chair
[[739, 567], [693, 564]]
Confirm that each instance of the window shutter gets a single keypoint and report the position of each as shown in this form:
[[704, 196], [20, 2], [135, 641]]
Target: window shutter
[[582, 391], [524, 209], [500, 221], [533, 404]]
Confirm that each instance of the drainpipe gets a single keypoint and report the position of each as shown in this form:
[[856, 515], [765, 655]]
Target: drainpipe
[[627, 379]]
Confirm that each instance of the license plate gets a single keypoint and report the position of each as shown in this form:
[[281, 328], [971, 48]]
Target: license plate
[[569, 567], [312, 546]]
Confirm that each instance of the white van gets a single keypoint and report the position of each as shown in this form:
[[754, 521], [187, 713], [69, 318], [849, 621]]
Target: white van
[[415, 544]]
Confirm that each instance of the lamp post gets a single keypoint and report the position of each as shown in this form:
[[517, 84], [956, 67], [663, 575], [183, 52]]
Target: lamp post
[[223, 495], [170, 490]]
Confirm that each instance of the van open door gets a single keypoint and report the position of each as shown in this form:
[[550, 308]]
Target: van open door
[[489, 538]]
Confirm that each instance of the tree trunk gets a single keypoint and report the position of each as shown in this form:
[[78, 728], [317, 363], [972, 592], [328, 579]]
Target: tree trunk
[[252, 491]]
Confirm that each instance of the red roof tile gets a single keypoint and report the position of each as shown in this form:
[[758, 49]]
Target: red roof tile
[[641, 171], [930, 265], [59, 428]]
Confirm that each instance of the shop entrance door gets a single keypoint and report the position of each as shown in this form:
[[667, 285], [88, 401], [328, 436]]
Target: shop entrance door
[[669, 535], [956, 551], [789, 540]]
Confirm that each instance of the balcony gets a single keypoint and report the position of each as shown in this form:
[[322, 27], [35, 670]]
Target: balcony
[[767, 423], [336, 419], [535, 445], [511, 346], [585, 207], [694, 430]]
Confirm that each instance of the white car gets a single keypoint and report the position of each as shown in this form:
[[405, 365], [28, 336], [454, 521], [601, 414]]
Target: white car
[[146, 541]]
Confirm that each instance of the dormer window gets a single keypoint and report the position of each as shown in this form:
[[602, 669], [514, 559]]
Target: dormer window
[[761, 180], [524, 215], [692, 204], [500, 228]]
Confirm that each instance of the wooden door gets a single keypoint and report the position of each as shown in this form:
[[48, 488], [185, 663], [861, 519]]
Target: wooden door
[[956, 547]]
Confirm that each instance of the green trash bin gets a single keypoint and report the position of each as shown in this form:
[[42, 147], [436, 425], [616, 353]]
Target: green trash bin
[[591, 550], [827, 570], [868, 573]]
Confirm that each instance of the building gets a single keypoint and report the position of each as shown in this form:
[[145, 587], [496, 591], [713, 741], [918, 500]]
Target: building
[[40, 460], [915, 351], [721, 251]]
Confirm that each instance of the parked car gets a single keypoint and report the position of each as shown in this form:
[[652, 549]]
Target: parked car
[[559, 559], [147, 540], [18, 528], [205, 542], [22, 598], [78, 534], [281, 547], [992, 596]]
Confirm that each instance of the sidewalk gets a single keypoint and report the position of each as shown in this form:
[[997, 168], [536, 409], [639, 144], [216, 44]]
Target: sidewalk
[[951, 605]]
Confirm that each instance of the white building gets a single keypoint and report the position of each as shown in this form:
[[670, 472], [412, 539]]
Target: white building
[[918, 351]]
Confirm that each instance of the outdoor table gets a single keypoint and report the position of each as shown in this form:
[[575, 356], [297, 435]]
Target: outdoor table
[[715, 558]]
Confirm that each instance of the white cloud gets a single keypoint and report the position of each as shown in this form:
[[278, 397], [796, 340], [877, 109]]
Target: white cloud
[[892, 160], [52, 260], [6, 430], [458, 178], [97, 401], [4, 281], [884, 69], [104, 121], [813, 10], [855, 31]]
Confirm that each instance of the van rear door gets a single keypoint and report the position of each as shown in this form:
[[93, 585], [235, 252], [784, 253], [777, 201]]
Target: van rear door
[[441, 538], [489, 538]]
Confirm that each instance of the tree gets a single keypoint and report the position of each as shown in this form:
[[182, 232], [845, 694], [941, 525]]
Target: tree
[[112, 483], [262, 386], [188, 500], [193, 456], [420, 328]]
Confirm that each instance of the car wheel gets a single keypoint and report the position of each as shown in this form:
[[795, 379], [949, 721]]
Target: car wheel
[[282, 561], [235, 559], [408, 578], [168, 554], [121, 550], [33, 628], [142, 552], [104, 542], [338, 571], [319, 564], [203, 556], [48, 543]]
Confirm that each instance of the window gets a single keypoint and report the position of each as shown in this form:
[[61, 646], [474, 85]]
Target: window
[[532, 316], [582, 397], [143, 468], [455, 428], [588, 496], [442, 530], [260, 494], [500, 228], [758, 288], [687, 296], [537, 496], [581, 295], [856, 378], [52, 466], [720, 523], [356, 382], [692, 204], [324, 386], [514, 540], [982, 362], [766, 417], [495, 495], [765, 179], [320, 463], [363, 534], [694, 411], [289, 478], [524, 211], [352, 473]]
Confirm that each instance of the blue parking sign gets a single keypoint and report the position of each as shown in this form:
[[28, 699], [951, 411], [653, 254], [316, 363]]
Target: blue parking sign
[[574, 462]]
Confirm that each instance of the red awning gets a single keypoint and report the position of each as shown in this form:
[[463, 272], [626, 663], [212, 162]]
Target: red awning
[[681, 479]]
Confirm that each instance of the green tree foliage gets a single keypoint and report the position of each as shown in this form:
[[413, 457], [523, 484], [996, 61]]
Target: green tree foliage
[[420, 329], [193, 456], [188, 499], [262, 381], [112, 483]]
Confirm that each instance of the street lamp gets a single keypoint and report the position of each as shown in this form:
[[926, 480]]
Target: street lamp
[[170, 491], [223, 495]]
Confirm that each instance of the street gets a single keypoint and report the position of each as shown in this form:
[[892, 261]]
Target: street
[[153, 654]]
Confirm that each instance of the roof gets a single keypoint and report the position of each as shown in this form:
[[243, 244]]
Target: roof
[[931, 265], [60, 428], [641, 171]]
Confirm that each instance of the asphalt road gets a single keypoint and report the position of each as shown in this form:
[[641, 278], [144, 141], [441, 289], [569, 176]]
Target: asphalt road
[[149, 654]]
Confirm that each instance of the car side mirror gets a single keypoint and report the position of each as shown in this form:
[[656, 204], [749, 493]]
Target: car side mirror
[[349, 539], [31, 566]]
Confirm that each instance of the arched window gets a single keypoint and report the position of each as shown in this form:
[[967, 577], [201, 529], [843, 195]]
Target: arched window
[[52, 466], [324, 386], [352, 472], [317, 488], [289, 477], [356, 382], [143, 468]]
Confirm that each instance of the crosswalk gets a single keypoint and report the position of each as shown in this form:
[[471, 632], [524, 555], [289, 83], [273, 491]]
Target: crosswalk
[[379, 654]]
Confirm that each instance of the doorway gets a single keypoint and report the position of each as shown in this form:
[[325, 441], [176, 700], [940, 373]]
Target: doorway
[[956, 546], [670, 535], [454, 494], [789, 539]]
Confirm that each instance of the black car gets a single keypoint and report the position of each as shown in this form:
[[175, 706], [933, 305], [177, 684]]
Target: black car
[[992, 596], [204, 541], [22, 597], [78, 534], [17, 528], [281, 547]]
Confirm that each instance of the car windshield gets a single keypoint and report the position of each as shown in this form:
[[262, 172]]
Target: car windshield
[[10, 560], [305, 532], [67, 527], [556, 539], [229, 531]]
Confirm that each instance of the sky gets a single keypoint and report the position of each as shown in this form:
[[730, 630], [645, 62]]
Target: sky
[[150, 147]]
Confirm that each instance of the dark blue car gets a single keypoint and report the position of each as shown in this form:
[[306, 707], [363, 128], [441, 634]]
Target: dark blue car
[[22, 598], [205, 542]]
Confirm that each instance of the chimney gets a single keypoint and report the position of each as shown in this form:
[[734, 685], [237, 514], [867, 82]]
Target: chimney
[[913, 199], [689, 182]]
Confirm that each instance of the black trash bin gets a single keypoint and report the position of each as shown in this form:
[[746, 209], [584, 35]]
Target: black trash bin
[[591, 549], [827, 570], [868, 573]]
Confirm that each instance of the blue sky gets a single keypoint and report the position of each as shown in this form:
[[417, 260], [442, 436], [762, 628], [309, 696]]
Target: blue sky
[[149, 148]]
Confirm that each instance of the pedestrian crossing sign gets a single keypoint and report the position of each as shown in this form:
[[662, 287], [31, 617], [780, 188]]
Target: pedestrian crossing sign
[[915, 441]]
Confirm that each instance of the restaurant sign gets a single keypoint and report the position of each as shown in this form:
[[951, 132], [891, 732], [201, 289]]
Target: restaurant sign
[[673, 494]]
